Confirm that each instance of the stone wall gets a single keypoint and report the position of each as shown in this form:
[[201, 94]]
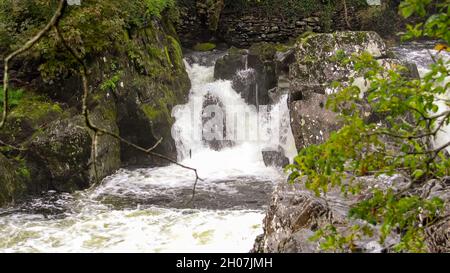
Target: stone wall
[[249, 29], [252, 25]]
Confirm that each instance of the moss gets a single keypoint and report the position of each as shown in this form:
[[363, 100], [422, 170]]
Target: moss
[[204, 47], [176, 52], [151, 112], [166, 51], [266, 50], [35, 108], [11, 183], [22, 169]]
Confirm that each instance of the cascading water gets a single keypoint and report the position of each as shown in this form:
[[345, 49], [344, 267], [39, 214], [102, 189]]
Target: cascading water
[[422, 55], [145, 210]]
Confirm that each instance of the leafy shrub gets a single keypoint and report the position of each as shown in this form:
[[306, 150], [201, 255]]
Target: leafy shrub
[[400, 142]]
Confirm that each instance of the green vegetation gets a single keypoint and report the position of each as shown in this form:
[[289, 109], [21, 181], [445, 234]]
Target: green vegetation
[[15, 95], [111, 83], [94, 27], [398, 143], [156, 7], [204, 47]]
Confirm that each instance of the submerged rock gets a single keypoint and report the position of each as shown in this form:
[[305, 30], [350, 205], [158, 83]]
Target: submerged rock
[[275, 158]]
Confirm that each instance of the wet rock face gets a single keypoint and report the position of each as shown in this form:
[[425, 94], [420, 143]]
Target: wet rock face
[[295, 214], [275, 158], [130, 98], [227, 66], [61, 154], [311, 75], [60, 157], [10, 182], [256, 72], [312, 122], [214, 124], [207, 58]]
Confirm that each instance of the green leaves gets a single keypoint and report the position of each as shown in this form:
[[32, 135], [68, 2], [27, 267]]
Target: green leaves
[[410, 7], [434, 25], [15, 95], [393, 139], [156, 7]]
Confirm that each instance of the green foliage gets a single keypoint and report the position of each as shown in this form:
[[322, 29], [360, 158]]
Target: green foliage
[[15, 95], [156, 7], [435, 26], [394, 139], [93, 27], [111, 84]]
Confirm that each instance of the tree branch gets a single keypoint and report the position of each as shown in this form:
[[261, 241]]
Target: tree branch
[[97, 130], [28, 45]]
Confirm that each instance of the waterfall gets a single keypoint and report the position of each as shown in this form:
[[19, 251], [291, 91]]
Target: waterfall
[[250, 129], [246, 59]]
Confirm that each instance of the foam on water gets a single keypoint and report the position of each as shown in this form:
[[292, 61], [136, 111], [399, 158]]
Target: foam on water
[[115, 217], [140, 230]]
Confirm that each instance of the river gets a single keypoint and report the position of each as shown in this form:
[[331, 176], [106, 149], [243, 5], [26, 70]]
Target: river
[[148, 209]]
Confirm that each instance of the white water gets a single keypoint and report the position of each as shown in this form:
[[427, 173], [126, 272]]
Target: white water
[[421, 55], [144, 210]]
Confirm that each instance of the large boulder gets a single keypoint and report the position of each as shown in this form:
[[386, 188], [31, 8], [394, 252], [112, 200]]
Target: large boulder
[[312, 123], [275, 157], [61, 157], [315, 54], [315, 68], [295, 214], [214, 123], [227, 66], [255, 71]]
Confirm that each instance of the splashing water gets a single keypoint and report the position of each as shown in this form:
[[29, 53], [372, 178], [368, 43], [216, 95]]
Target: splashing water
[[144, 210]]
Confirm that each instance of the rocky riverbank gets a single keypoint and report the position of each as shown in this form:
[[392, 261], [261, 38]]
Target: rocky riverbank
[[133, 90]]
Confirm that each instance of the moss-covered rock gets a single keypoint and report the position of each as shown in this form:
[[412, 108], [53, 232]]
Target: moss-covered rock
[[60, 157], [32, 114], [204, 47], [11, 183], [155, 81], [316, 54], [317, 65]]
